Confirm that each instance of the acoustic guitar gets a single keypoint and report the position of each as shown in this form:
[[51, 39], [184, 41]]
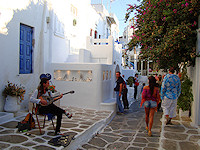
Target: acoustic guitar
[[51, 99]]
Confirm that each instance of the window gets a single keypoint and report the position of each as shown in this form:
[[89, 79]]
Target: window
[[25, 56]]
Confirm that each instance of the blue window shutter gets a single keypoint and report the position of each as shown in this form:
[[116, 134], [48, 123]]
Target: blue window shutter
[[25, 60]]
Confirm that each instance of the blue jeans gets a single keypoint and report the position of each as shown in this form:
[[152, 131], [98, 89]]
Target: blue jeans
[[119, 104], [150, 104]]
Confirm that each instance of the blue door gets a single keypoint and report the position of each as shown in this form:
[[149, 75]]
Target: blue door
[[25, 58]]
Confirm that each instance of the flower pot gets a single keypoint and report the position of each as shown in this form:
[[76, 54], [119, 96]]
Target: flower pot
[[12, 104], [183, 113]]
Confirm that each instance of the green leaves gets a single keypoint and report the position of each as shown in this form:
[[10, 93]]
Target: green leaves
[[186, 97], [166, 30]]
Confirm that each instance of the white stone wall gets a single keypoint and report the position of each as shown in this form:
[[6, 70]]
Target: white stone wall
[[194, 73], [54, 35], [87, 94], [9, 46]]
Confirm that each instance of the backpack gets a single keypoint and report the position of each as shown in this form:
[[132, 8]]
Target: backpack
[[27, 124]]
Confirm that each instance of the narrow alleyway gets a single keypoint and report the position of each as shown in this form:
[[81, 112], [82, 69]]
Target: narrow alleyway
[[128, 132], [124, 132]]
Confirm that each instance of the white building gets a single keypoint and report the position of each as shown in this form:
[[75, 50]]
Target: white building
[[58, 37]]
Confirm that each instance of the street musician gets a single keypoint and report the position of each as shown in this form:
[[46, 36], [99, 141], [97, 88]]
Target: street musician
[[43, 108]]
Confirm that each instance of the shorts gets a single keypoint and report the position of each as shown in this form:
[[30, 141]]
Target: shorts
[[150, 104]]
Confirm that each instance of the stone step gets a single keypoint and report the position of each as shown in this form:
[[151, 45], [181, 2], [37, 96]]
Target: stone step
[[5, 117], [108, 105]]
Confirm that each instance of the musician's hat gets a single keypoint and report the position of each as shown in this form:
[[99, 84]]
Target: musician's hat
[[48, 76]]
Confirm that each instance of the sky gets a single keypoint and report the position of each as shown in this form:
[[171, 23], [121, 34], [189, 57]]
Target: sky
[[119, 7]]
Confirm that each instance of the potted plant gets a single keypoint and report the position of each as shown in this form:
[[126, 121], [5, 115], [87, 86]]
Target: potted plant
[[14, 95], [186, 97], [130, 81]]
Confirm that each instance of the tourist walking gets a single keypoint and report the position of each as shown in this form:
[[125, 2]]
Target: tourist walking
[[170, 91], [118, 90], [136, 84], [124, 95], [150, 98]]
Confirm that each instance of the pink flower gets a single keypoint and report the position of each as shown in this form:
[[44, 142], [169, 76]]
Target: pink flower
[[163, 19], [141, 44], [175, 11], [143, 20], [144, 13], [182, 5], [143, 34], [154, 21], [186, 4], [195, 23], [167, 4], [154, 6]]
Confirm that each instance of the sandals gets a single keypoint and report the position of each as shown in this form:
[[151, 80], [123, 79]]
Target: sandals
[[149, 133], [68, 115], [147, 129]]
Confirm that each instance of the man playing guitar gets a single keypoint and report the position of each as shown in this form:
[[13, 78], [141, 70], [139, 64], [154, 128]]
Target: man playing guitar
[[37, 98]]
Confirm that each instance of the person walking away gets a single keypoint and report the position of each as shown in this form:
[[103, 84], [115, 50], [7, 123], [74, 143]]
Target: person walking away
[[156, 77], [170, 91], [150, 99], [143, 84], [118, 90], [136, 84], [159, 82], [37, 97], [124, 95]]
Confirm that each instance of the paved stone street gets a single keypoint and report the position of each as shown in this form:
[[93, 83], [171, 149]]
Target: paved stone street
[[83, 121], [128, 132], [124, 132], [181, 135]]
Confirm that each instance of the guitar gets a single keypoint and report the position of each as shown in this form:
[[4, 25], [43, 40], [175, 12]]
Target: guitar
[[51, 99]]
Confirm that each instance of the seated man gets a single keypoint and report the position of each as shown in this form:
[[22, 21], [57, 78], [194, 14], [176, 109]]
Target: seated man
[[37, 98]]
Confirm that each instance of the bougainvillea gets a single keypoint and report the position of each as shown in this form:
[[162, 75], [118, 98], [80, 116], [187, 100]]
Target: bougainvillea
[[165, 30]]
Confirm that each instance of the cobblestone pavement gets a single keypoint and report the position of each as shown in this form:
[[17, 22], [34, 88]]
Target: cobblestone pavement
[[181, 135], [82, 120], [127, 132], [124, 132]]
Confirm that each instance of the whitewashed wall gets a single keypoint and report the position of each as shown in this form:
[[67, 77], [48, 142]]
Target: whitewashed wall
[[194, 73], [87, 94], [54, 36], [9, 46]]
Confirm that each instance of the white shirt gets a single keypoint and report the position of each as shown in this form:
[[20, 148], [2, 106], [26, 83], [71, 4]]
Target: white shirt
[[34, 98]]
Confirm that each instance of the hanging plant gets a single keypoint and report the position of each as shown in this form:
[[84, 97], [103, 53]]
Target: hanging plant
[[186, 97]]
